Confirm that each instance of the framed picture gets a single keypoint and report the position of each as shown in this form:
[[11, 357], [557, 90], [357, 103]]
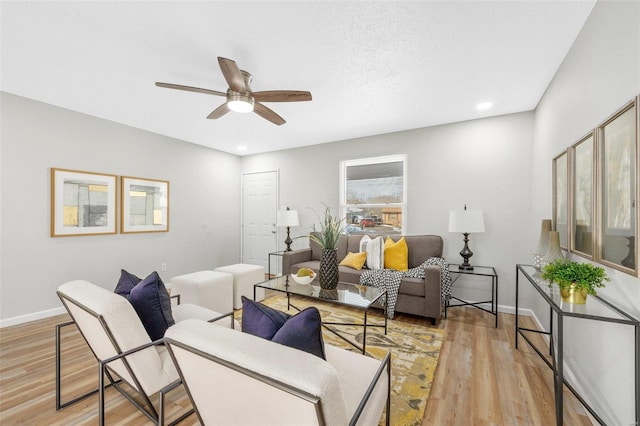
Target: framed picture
[[618, 190], [582, 197], [560, 198], [82, 203], [145, 205]]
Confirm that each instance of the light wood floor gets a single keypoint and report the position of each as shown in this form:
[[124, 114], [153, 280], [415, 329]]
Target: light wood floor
[[480, 380]]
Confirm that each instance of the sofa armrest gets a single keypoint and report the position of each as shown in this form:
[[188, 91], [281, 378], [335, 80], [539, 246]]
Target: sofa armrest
[[433, 288], [294, 256]]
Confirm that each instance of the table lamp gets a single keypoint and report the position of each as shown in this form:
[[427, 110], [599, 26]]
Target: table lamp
[[287, 218], [466, 222]]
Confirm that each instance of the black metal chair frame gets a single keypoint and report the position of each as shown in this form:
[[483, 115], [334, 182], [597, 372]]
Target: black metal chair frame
[[385, 364], [148, 409]]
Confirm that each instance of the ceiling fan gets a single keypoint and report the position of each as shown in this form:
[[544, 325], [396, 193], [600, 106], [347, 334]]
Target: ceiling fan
[[239, 96]]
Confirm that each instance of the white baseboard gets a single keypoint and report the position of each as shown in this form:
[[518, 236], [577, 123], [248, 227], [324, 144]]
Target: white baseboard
[[21, 319]]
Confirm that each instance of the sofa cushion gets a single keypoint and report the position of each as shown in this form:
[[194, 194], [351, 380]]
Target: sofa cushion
[[349, 275], [302, 331], [423, 247], [396, 254], [353, 243], [354, 260], [152, 303]]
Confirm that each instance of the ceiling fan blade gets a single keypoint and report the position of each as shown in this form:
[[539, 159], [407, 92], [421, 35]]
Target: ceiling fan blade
[[282, 96], [268, 114], [232, 74], [219, 112], [190, 88]]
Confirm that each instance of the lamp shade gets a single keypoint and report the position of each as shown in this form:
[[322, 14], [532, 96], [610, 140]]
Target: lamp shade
[[466, 221], [287, 218]]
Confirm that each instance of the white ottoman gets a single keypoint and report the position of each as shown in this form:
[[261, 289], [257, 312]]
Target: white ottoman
[[209, 289], [244, 277]]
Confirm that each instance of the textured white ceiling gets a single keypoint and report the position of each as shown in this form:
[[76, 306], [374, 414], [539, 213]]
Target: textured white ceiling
[[372, 67]]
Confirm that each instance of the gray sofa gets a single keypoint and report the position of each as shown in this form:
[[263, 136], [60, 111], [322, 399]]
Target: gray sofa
[[416, 296]]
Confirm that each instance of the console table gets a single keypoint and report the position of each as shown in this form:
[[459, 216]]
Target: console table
[[596, 309]]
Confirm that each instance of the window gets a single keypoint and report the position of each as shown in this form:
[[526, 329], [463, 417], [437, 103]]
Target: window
[[373, 195]]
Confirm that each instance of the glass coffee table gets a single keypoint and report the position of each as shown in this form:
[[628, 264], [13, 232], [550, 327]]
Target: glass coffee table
[[355, 296]]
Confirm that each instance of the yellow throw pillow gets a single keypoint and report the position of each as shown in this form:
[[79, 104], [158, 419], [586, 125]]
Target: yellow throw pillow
[[354, 260], [396, 255]]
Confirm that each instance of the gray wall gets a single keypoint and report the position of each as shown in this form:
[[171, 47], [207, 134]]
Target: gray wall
[[600, 74], [483, 163], [205, 204]]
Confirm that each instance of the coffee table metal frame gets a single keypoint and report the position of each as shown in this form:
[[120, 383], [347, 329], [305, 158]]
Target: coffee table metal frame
[[348, 294]]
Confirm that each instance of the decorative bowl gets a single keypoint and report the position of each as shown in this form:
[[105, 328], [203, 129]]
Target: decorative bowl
[[304, 280]]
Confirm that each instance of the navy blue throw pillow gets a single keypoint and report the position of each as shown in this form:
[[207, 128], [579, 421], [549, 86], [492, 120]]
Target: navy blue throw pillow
[[152, 302], [261, 320], [302, 331], [126, 282]]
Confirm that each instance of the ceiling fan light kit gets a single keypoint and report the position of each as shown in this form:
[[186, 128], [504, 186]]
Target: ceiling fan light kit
[[239, 96], [240, 103]]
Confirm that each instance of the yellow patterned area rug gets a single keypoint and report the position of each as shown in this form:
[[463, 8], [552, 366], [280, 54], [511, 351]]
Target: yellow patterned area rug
[[414, 352]]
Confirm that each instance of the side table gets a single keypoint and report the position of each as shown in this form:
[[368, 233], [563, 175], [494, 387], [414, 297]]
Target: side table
[[273, 253], [483, 271]]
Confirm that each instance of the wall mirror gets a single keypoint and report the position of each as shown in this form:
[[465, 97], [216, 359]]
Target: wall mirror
[[582, 223], [618, 190], [560, 198], [82, 203], [145, 205]]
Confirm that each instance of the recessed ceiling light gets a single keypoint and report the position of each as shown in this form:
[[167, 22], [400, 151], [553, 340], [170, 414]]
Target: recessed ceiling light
[[484, 105], [242, 148]]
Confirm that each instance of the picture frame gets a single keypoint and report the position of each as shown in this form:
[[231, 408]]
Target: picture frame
[[618, 190], [144, 205], [583, 230], [560, 198], [82, 203]]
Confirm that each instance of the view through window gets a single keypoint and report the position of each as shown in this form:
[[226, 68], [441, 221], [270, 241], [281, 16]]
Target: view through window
[[373, 194]]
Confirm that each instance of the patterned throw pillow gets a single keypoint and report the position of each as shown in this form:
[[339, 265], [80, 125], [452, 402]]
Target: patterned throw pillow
[[375, 251], [354, 260], [396, 255]]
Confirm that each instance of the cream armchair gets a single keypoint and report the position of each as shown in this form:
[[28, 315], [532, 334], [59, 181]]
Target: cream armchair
[[122, 347], [235, 378]]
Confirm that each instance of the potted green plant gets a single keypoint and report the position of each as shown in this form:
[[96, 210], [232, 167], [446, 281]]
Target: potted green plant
[[575, 279], [327, 237]]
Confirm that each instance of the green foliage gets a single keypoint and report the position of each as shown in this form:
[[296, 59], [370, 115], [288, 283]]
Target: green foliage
[[566, 272], [330, 229]]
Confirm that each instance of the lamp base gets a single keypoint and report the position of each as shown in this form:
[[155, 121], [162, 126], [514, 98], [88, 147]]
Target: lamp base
[[466, 253], [288, 241]]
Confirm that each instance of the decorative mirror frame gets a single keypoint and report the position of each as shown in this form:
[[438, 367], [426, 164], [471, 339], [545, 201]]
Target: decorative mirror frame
[[628, 206], [582, 192], [67, 219], [560, 198], [158, 213]]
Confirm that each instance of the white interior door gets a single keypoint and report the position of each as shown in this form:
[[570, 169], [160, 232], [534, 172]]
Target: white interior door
[[259, 211]]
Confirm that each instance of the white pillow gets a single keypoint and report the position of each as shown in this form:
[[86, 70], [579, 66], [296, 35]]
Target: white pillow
[[363, 243], [375, 251]]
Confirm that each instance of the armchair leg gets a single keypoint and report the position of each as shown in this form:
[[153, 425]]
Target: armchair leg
[[388, 419], [59, 403], [101, 395], [161, 408]]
